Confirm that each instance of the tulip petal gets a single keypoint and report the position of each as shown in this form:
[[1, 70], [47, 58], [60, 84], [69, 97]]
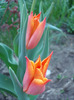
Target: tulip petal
[[35, 38], [45, 64], [30, 26], [36, 87], [38, 74], [38, 16], [36, 23], [38, 63], [29, 74], [42, 90], [34, 80]]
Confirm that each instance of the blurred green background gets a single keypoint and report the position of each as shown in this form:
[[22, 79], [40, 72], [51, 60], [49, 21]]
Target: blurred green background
[[62, 16]]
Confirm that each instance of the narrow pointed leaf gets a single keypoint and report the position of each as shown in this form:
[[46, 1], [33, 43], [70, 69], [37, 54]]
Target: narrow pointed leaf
[[22, 61], [7, 55], [6, 84], [33, 5], [22, 4], [16, 44], [53, 27], [17, 86], [23, 14], [45, 51], [41, 10], [49, 11], [23, 11]]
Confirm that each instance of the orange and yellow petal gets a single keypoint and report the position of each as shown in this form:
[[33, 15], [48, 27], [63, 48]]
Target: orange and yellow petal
[[34, 79], [35, 38], [38, 16], [29, 74], [45, 64], [35, 87], [30, 26], [38, 63], [38, 74]]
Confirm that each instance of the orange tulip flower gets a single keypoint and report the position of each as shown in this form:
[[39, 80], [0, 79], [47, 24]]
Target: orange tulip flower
[[34, 80], [34, 30]]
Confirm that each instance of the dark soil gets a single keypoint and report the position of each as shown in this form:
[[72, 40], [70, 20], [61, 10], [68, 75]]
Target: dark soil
[[62, 72]]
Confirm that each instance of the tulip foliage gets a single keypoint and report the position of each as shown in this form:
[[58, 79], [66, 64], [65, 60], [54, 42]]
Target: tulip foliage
[[28, 62]]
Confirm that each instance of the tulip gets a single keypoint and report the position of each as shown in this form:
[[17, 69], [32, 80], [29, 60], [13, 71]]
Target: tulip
[[34, 30], [34, 80]]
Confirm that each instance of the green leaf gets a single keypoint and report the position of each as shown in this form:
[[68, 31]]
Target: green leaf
[[16, 44], [53, 27], [23, 15], [33, 97], [49, 11], [17, 86], [33, 5], [7, 55], [22, 49], [45, 51], [22, 5], [41, 10], [22, 54], [6, 84], [23, 12]]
